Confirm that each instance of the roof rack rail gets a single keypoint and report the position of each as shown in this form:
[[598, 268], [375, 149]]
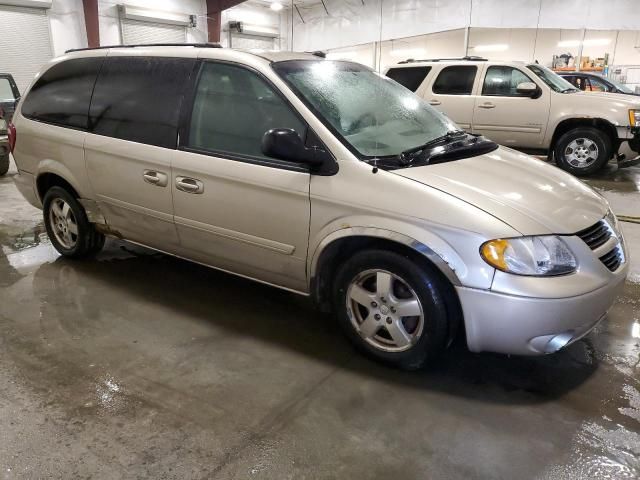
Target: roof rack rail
[[468, 58], [197, 45]]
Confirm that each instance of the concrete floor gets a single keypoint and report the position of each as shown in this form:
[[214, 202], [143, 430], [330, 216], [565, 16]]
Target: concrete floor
[[141, 365]]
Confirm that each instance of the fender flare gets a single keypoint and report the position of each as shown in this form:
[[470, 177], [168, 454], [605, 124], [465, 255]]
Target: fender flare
[[381, 233]]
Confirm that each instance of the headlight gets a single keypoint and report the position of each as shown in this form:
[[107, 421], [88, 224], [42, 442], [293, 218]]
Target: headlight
[[634, 118], [540, 256], [612, 220]]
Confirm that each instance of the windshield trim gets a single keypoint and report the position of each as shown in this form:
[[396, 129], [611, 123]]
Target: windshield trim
[[279, 68]]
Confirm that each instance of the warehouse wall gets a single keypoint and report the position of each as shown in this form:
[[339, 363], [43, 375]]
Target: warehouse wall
[[351, 23], [66, 18], [68, 30]]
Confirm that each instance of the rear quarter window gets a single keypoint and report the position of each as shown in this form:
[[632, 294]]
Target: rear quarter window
[[139, 99], [409, 77], [62, 94], [455, 80]]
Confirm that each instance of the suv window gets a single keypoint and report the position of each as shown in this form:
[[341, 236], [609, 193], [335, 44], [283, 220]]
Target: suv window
[[503, 81], [455, 80], [62, 94], [409, 77], [233, 108], [139, 98]]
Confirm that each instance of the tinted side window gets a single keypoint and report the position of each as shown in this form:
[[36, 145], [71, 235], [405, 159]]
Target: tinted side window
[[503, 81], [409, 77], [139, 98], [455, 80], [62, 94], [233, 108]]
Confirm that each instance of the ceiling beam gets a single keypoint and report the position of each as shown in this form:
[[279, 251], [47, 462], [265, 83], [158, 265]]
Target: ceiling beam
[[214, 17]]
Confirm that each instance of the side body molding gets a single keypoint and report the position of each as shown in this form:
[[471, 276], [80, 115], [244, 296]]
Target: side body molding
[[400, 238]]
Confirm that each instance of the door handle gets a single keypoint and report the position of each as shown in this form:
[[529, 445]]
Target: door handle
[[434, 102], [487, 105], [189, 185], [158, 179]]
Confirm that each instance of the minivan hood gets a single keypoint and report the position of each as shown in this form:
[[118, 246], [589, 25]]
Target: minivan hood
[[528, 194]]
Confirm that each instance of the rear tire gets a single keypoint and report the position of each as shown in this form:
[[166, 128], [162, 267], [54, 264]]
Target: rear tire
[[68, 227], [4, 164], [583, 151], [372, 291]]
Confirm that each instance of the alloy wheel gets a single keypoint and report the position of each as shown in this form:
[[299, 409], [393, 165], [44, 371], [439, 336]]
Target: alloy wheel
[[385, 310], [581, 152], [63, 223]]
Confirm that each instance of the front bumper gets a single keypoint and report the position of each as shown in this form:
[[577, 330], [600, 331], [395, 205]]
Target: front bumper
[[502, 323]]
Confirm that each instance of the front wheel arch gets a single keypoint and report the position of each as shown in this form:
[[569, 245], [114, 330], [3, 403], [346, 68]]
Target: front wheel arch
[[599, 123], [326, 265]]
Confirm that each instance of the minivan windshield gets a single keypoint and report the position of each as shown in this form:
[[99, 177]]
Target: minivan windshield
[[555, 81], [373, 115]]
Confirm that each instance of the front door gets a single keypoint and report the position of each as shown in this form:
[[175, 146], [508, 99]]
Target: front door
[[235, 208], [506, 116]]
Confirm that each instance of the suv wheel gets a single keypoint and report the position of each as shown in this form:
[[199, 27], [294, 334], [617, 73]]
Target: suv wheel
[[4, 164], [582, 151], [68, 227], [391, 308]]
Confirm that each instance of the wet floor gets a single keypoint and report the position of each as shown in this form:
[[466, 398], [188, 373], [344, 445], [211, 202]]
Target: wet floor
[[141, 365]]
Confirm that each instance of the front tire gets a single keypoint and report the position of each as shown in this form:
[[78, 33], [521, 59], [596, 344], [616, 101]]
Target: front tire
[[583, 151], [391, 308], [4, 164], [68, 227]]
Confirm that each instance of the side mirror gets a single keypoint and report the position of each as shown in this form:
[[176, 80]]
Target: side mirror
[[286, 144], [528, 89]]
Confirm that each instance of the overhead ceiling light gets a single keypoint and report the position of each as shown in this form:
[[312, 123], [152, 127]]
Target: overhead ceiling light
[[496, 47], [276, 6], [569, 43]]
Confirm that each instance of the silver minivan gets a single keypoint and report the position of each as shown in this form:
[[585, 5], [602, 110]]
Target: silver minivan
[[323, 178]]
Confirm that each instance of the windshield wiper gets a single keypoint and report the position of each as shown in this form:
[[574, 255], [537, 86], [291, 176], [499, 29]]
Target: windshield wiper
[[411, 154], [460, 145], [567, 90]]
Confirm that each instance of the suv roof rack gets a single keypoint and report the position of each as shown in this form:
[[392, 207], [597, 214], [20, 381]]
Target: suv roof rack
[[468, 58], [197, 45]]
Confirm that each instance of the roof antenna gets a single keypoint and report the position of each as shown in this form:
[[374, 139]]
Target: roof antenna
[[375, 165]]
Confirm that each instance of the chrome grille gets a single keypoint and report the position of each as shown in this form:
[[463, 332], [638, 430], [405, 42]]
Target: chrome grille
[[613, 259], [596, 235]]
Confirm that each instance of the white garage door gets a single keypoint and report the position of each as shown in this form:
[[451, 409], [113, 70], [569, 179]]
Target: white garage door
[[25, 42], [136, 33], [251, 42]]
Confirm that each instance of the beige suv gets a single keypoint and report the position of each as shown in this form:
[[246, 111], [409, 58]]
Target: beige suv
[[325, 179], [528, 107]]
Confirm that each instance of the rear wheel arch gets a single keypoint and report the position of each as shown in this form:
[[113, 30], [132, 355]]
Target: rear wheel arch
[[326, 264], [46, 180]]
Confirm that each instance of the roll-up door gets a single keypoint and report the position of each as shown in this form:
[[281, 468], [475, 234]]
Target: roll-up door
[[251, 42], [136, 32], [20, 56]]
